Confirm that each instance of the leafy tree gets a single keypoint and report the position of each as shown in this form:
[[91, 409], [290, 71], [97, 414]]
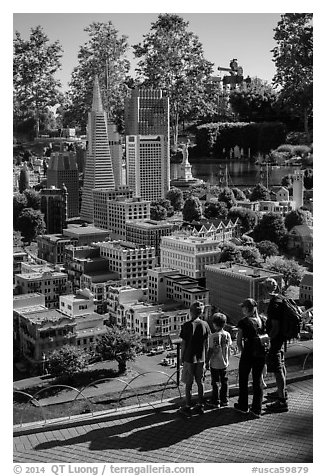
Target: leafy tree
[[161, 209], [227, 196], [291, 271], [287, 181], [172, 58], [255, 102], [271, 227], [192, 210], [231, 253], [247, 240], [297, 217], [33, 199], [197, 191], [157, 211], [34, 66], [238, 194], [120, 345], [103, 54], [215, 210], [247, 192], [293, 57], [175, 196], [67, 361], [267, 248], [216, 107], [259, 192], [30, 223], [19, 203], [248, 218], [164, 202], [23, 182], [251, 255]]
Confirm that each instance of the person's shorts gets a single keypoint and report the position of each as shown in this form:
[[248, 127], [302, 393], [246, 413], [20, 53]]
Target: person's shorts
[[275, 360], [191, 372]]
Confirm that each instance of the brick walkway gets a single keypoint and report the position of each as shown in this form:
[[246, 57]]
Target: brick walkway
[[217, 436]]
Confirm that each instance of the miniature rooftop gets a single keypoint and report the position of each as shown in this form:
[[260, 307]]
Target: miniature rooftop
[[55, 237], [48, 274], [75, 229], [242, 269], [102, 274], [23, 297], [40, 314], [148, 223], [123, 245]]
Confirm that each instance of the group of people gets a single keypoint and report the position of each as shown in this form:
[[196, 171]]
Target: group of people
[[261, 344]]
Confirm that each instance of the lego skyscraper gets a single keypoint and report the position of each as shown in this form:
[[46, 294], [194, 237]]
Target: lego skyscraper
[[148, 143], [63, 170], [99, 168]]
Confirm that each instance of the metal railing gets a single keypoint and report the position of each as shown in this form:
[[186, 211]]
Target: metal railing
[[81, 393], [37, 401]]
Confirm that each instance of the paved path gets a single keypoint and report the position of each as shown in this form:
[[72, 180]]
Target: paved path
[[217, 436]]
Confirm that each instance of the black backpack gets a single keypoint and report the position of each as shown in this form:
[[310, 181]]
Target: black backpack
[[291, 320], [260, 342]]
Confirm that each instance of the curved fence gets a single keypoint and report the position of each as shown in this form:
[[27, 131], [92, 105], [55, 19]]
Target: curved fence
[[34, 408], [112, 394]]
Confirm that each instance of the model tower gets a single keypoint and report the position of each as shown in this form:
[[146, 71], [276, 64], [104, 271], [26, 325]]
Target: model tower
[[63, 169], [148, 143], [98, 168], [298, 189]]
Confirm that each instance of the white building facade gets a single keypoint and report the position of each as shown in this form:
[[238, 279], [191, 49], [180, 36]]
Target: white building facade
[[189, 254], [129, 260]]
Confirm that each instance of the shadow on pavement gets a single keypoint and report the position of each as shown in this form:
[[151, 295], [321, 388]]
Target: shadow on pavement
[[159, 431]]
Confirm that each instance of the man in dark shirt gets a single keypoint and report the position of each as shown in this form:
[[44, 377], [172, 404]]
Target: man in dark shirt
[[275, 357], [194, 334]]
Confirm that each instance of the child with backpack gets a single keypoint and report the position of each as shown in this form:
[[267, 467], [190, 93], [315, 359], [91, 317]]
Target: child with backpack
[[217, 360]]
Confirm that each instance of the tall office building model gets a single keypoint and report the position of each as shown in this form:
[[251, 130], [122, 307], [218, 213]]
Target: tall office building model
[[116, 151], [146, 166], [63, 171], [148, 143], [54, 204], [99, 170]]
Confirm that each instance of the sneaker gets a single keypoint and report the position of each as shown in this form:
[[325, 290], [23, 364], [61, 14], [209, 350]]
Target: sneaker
[[255, 413], [275, 395], [211, 404], [199, 409], [237, 407], [186, 411], [277, 406], [224, 404]]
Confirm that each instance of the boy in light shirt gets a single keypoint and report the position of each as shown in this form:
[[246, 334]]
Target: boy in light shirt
[[218, 360]]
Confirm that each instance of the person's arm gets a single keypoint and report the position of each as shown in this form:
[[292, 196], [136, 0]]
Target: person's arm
[[208, 357], [240, 340], [229, 346]]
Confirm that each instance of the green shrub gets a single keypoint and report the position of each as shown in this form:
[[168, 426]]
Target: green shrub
[[301, 150], [285, 148], [213, 138]]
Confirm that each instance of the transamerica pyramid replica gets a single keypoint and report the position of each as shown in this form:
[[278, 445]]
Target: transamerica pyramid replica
[[98, 168]]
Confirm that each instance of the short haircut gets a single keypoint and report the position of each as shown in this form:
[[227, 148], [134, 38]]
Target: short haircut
[[219, 319], [196, 308]]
